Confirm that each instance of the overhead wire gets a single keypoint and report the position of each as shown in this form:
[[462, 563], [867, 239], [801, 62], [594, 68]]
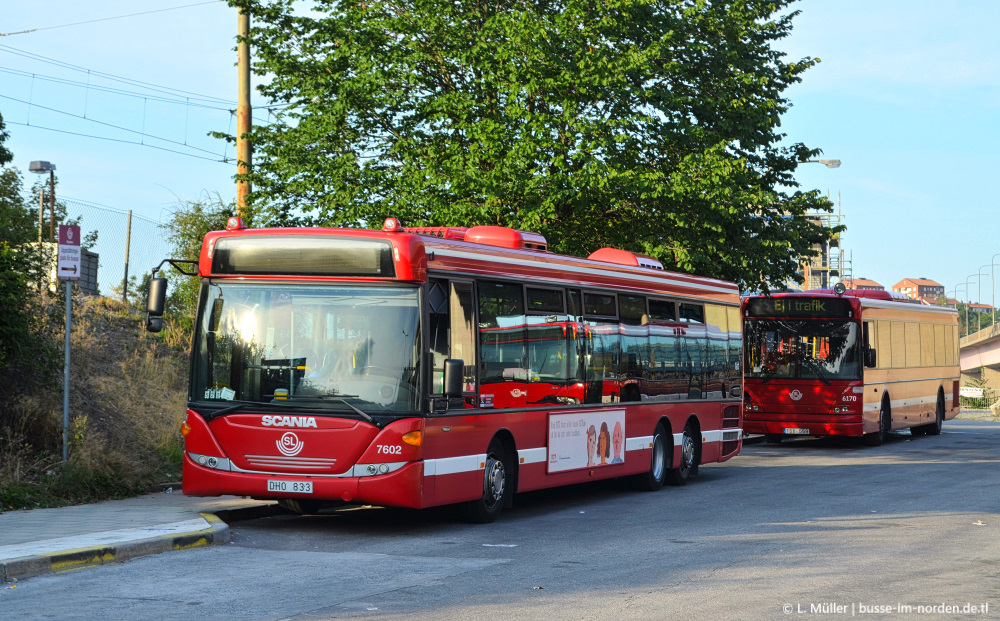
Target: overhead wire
[[112, 125], [138, 144], [114, 91], [105, 19], [108, 76]]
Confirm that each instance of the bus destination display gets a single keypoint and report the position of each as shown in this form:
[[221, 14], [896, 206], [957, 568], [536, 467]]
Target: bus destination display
[[799, 307]]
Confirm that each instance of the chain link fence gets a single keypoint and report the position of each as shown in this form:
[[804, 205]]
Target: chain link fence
[[127, 245], [975, 399]]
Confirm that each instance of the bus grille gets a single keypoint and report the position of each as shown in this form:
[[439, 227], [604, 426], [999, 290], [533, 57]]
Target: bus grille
[[730, 420], [290, 463]]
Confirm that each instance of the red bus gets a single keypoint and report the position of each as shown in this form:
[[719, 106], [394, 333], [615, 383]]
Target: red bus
[[438, 366], [848, 363]]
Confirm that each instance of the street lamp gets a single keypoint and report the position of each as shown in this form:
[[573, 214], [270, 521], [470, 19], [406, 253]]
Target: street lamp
[[979, 294], [827, 163], [41, 168], [969, 298], [993, 291]]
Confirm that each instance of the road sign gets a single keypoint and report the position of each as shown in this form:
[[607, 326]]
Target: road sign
[[69, 252]]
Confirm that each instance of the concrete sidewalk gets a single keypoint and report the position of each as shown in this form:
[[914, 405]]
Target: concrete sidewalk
[[45, 541]]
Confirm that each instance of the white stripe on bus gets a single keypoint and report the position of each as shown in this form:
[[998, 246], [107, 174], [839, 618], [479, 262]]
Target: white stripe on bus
[[901, 403], [472, 463], [697, 285]]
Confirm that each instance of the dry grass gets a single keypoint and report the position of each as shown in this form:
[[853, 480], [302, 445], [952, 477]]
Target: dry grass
[[127, 400]]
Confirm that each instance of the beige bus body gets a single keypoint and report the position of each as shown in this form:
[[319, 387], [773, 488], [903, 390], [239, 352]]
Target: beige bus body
[[916, 363]]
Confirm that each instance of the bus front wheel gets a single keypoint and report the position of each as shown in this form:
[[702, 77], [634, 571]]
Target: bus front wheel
[[496, 485], [884, 424]]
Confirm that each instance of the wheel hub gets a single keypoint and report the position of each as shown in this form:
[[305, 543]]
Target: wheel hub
[[494, 481], [687, 452]]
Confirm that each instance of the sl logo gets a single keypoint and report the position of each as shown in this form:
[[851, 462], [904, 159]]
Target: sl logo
[[518, 393], [795, 395], [290, 445]]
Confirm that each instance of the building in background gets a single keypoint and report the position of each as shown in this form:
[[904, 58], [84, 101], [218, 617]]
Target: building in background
[[862, 283], [830, 265], [922, 289]]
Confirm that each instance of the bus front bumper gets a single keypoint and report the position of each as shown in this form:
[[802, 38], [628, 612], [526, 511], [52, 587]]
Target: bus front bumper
[[400, 488], [799, 424]]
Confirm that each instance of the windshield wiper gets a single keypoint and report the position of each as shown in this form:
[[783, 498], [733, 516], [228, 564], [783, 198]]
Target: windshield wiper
[[815, 366], [231, 408], [332, 397]]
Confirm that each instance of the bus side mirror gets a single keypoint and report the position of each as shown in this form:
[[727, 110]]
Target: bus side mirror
[[454, 376], [155, 303], [157, 296], [870, 358]]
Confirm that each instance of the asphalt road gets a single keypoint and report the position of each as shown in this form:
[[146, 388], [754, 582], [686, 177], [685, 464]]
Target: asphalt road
[[805, 529]]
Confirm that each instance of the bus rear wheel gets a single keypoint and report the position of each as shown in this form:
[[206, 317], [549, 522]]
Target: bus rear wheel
[[932, 429], [653, 480], [689, 459], [496, 479]]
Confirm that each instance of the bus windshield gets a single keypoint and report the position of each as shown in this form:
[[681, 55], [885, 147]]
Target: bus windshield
[[802, 349], [335, 347]]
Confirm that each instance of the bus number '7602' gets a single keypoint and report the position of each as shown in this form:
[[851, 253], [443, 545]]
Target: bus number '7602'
[[389, 450]]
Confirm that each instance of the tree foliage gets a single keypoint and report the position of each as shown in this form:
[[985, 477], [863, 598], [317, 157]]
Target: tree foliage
[[185, 231], [23, 351], [650, 125]]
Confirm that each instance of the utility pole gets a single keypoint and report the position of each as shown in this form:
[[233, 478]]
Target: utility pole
[[243, 114]]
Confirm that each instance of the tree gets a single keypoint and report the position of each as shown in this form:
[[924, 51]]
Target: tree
[[23, 351], [186, 230], [641, 124]]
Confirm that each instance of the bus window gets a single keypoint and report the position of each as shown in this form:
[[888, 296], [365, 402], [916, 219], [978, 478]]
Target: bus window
[[503, 365], [451, 331], [692, 313], [632, 310], [661, 311], [599, 305], [545, 300], [603, 348]]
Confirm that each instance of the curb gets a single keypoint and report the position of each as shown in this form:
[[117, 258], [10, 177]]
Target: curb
[[81, 558]]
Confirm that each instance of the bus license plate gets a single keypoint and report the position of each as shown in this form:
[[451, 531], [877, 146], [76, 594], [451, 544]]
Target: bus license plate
[[796, 431], [289, 487]]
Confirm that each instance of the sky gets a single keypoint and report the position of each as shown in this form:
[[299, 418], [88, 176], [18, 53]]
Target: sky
[[906, 96]]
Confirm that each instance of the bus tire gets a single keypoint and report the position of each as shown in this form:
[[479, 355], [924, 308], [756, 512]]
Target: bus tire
[[884, 424], [934, 429], [300, 506], [653, 480], [496, 486], [689, 459], [773, 438]]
